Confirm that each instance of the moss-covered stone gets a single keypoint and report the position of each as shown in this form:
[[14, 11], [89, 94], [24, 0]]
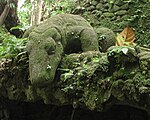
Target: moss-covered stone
[[115, 75], [90, 8], [91, 80], [60, 34], [124, 7], [106, 38], [132, 13], [94, 2], [108, 14], [121, 12], [99, 6], [115, 8]]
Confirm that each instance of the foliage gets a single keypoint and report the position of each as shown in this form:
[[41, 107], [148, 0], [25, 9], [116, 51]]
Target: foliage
[[79, 80], [140, 14], [137, 18], [10, 46], [82, 72], [49, 8], [90, 83], [9, 2], [119, 50], [126, 37], [122, 54], [60, 6], [24, 16]]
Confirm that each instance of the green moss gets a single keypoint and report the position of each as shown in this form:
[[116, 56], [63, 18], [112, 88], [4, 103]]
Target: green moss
[[106, 38], [93, 87], [140, 13], [77, 81], [60, 34], [90, 80]]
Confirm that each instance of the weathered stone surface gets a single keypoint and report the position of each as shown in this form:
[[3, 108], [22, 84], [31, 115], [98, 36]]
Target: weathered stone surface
[[106, 6], [129, 80], [64, 33], [108, 14], [121, 12], [98, 13], [144, 56], [92, 80], [124, 7], [92, 19], [115, 8], [99, 6], [119, 2], [90, 8], [106, 38], [94, 2]]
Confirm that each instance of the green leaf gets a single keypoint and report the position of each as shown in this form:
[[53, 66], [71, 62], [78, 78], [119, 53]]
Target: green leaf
[[125, 50], [67, 76]]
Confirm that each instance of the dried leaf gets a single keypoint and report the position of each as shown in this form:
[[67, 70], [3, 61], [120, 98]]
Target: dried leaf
[[126, 37], [120, 40]]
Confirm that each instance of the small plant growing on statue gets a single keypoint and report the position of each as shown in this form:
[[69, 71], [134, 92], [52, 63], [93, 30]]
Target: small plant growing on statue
[[124, 42]]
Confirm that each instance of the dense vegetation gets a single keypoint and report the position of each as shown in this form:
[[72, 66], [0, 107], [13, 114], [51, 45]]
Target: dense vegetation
[[90, 79], [33, 12]]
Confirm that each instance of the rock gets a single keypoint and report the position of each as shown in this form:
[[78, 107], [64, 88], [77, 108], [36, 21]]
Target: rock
[[91, 8], [144, 57], [94, 11], [124, 7], [125, 54], [92, 19], [125, 17], [121, 12], [89, 80], [87, 5], [119, 2], [108, 14], [94, 2], [115, 8], [106, 6], [118, 18], [78, 10], [99, 13], [99, 6], [103, 1], [113, 18]]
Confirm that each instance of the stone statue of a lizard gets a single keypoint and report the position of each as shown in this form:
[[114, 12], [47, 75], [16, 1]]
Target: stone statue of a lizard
[[60, 34]]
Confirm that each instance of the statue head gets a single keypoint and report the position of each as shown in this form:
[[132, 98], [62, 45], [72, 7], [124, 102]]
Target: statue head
[[44, 57], [106, 38]]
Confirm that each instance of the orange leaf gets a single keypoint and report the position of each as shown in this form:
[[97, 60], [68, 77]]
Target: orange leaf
[[127, 36], [120, 40]]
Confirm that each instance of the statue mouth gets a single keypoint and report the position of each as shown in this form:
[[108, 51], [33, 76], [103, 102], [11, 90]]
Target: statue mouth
[[40, 75]]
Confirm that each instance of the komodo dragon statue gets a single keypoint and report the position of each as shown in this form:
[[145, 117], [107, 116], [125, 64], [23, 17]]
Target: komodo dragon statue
[[60, 34]]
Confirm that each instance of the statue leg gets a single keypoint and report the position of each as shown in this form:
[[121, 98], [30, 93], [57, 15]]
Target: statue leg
[[87, 36], [89, 40]]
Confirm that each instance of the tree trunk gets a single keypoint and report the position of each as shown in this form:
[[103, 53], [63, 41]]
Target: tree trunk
[[39, 11], [36, 12], [4, 14], [32, 14]]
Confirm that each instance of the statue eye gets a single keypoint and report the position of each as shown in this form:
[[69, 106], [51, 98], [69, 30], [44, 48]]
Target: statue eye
[[102, 37], [50, 49]]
